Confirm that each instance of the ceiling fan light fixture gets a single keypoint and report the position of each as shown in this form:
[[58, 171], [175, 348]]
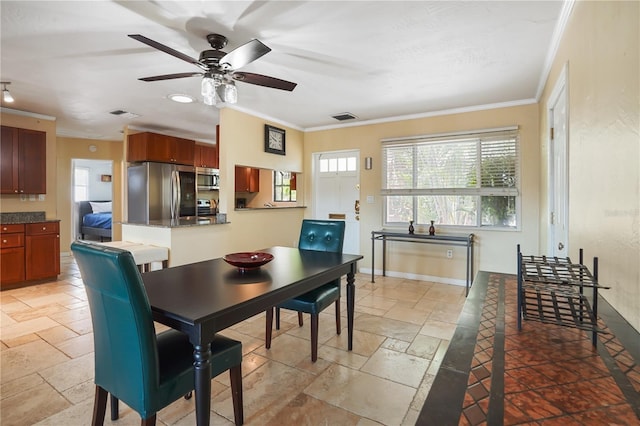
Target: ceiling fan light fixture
[[6, 95], [230, 92]]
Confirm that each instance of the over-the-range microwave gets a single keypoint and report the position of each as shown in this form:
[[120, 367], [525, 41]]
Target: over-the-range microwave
[[207, 179]]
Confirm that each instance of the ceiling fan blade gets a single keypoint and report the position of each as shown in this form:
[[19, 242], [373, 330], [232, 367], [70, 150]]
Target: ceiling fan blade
[[171, 76], [244, 55], [263, 80], [167, 49]]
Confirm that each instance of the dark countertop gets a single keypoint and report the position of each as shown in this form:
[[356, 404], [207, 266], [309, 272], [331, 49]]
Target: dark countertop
[[11, 218], [180, 223], [269, 208]]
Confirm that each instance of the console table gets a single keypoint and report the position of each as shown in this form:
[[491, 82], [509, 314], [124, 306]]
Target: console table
[[465, 240]]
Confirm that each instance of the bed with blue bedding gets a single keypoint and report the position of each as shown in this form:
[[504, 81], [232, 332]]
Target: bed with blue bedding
[[94, 219]]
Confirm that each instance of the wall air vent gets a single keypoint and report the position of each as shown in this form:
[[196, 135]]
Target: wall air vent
[[122, 113], [344, 116]]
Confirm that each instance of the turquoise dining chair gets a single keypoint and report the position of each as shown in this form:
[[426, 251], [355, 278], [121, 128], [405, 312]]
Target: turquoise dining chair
[[133, 364], [318, 235]]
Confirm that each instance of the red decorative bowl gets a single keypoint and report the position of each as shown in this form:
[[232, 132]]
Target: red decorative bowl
[[248, 260]]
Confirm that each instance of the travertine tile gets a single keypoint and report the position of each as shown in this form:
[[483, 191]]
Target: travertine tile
[[11, 331], [396, 366], [306, 410], [354, 391], [65, 375], [29, 358], [439, 329], [32, 406]]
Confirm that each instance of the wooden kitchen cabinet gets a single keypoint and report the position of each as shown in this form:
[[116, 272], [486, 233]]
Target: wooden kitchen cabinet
[[206, 156], [247, 179], [23, 157], [149, 146], [42, 250], [12, 262]]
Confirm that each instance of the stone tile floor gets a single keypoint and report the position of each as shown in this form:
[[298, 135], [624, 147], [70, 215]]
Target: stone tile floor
[[402, 331]]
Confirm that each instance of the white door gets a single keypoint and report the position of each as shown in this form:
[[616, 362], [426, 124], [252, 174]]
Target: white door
[[558, 170], [337, 193]]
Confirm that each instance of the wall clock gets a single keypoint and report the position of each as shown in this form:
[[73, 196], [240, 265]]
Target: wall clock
[[274, 140]]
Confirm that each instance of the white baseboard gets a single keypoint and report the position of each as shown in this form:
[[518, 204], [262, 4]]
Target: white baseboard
[[409, 276]]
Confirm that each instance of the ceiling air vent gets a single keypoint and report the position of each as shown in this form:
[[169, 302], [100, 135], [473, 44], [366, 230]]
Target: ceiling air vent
[[344, 116], [122, 113]]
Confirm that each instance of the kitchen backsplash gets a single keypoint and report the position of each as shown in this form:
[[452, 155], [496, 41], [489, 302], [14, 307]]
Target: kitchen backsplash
[[21, 217]]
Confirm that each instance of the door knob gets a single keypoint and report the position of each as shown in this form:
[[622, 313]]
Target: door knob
[[560, 246]]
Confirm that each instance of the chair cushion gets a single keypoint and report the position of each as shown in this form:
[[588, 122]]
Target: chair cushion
[[314, 301]]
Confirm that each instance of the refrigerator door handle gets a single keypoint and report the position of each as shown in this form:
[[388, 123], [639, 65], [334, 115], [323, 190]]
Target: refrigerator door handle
[[178, 195], [172, 205]]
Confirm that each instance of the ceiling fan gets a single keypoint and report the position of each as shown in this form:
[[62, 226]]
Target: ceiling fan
[[219, 69]]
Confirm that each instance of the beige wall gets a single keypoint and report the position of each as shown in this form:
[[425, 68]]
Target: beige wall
[[601, 49], [494, 250], [12, 203], [242, 143], [73, 148]]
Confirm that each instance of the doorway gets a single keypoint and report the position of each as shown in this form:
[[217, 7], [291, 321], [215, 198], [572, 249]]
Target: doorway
[[558, 168], [91, 180], [337, 195]]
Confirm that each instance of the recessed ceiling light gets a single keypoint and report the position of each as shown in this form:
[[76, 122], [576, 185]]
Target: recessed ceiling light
[[183, 99]]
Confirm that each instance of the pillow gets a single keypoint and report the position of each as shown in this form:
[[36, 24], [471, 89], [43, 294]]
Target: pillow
[[101, 207]]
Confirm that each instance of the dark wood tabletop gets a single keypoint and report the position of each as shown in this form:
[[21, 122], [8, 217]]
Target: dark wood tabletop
[[206, 297]]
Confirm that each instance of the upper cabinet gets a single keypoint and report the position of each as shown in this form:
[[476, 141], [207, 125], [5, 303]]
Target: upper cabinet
[[148, 146], [207, 156], [247, 179], [23, 156]]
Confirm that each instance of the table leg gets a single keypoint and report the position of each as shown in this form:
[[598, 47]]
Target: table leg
[[351, 297], [373, 257], [384, 256], [202, 379]]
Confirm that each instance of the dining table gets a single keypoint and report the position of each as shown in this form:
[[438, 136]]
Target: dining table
[[204, 298]]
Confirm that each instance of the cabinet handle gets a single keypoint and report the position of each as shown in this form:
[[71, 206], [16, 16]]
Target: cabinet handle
[[4, 241], [44, 228], [4, 228]]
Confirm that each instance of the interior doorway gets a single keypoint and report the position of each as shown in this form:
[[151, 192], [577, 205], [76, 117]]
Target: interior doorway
[[558, 113], [91, 180], [336, 177]]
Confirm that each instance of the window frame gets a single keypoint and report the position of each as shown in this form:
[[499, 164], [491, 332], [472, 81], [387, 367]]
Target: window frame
[[488, 138], [292, 192]]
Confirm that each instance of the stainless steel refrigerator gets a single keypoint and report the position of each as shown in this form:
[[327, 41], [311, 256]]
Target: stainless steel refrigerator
[[160, 191]]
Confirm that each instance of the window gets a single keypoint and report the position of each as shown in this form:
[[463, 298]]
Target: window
[[459, 180], [81, 184], [284, 187]]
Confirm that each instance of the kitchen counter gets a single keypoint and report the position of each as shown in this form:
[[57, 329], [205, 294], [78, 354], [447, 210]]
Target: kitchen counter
[[269, 208], [180, 223]]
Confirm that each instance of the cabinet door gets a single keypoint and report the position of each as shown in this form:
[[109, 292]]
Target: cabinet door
[[12, 265], [206, 156], [32, 161], [42, 256], [183, 150], [159, 148], [242, 181], [9, 160]]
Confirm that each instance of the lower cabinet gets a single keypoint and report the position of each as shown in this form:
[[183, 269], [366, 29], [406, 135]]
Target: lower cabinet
[[29, 252], [42, 250], [12, 268]]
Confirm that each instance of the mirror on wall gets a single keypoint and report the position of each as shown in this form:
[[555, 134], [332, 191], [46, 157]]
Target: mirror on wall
[[266, 188]]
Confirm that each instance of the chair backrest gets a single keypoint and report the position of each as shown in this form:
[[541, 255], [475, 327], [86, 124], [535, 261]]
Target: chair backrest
[[126, 357], [322, 235]]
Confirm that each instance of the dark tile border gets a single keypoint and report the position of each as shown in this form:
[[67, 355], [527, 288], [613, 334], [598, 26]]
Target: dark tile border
[[444, 402]]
